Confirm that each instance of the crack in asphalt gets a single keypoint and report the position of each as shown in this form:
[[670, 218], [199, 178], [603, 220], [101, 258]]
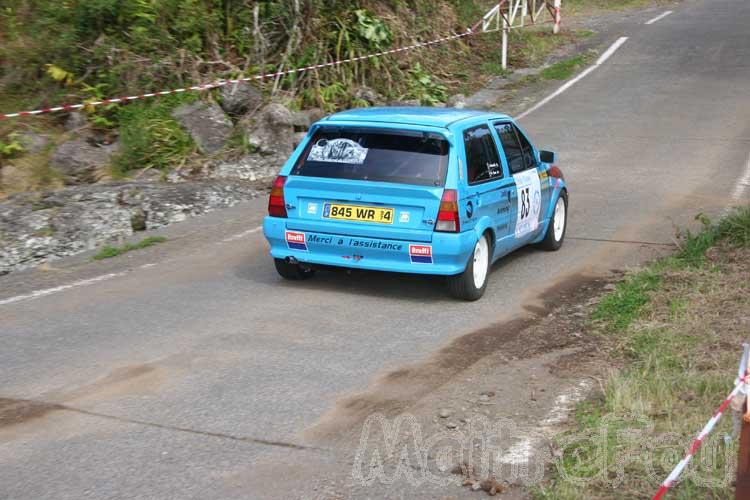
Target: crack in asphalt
[[20, 410], [632, 242]]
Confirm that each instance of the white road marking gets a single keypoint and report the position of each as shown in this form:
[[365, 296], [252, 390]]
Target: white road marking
[[739, 189], [77, 284], [606, 55], [611, 50], [49, 291], [243, 234], [524, 450], [660, 16]]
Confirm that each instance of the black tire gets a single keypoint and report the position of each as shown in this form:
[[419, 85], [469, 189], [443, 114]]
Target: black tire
[[292, 272], [462, 286], [551, 240]]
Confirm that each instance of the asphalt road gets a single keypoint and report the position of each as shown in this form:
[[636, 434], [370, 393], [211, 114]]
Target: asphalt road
[[196, 375]]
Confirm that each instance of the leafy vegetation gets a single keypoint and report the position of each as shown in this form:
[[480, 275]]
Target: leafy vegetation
[[11, 148], [88, 50], [674, 333], [151, 138], [109, 251]]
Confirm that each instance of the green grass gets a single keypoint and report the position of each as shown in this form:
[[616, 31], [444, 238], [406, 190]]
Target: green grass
[[564, 69], [109, 251], [151, 138], [674, 347]]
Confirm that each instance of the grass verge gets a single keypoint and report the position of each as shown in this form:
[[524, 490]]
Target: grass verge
[[109, 251], [565, 69], [673, 332]]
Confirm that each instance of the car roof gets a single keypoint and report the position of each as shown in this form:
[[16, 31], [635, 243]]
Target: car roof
[[433, 117]]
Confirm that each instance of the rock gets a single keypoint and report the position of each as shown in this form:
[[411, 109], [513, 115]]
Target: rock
[[405, 103], [80, 160], [610, 287], [240, 98], [485, 99], [138, 219], [451, 425], [457, 101], [444, 413], [301, 121], [41, 227], [522, 73], [369, 96], [249, 168], [207, 125], [75, 121], [304, 119], [32, 142], [271, 130], [498, 83], [484, 398], [299, 137]]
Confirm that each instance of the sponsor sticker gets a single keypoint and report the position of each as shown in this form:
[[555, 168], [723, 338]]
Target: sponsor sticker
[[296, 240], [404, 217], [420, 254]]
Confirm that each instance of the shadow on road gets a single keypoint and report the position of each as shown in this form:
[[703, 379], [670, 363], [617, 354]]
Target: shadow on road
[[412, 287]]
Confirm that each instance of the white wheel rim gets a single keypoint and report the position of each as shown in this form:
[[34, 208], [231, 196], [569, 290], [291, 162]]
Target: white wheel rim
[[481, 261], [559, 219]]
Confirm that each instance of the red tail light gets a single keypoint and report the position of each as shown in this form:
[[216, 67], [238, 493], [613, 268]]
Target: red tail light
[[448, 219], [556, 172], [276, 203]]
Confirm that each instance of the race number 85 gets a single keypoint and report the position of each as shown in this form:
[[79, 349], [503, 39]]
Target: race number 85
[[525, 202]]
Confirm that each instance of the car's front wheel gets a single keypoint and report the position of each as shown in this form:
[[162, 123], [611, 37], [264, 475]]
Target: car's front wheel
[[471, 284], [555, 236], [291, 271]]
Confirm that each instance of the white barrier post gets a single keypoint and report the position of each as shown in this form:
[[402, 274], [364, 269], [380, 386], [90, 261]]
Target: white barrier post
[[556, 28], [505, 44]]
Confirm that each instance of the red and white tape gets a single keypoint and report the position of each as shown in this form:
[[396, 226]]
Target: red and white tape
[[672, 478], [222, 83]]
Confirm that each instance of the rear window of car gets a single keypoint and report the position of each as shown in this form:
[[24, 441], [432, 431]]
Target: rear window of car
[[399, 156]]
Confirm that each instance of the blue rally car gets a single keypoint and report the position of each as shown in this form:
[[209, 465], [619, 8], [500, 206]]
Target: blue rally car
[[414, 190]]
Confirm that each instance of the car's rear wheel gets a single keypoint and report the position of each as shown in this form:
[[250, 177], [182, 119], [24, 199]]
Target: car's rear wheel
[[555, 236], [291, 271], [471, 284]]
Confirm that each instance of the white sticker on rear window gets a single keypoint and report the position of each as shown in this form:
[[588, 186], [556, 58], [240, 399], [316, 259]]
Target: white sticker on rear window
[[338, 151]]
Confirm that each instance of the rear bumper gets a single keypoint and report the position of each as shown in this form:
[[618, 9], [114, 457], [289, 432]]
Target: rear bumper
[[448, 252]]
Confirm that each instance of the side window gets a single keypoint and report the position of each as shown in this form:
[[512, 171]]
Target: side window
[[528, 151], [482, 159], [513, 152]]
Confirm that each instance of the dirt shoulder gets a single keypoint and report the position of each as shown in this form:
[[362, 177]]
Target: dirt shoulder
[[595, 392], [672, 334]]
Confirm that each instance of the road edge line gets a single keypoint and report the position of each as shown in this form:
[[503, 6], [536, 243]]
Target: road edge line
[[606, 55], [49, 291], [659, 17], [743, 182]]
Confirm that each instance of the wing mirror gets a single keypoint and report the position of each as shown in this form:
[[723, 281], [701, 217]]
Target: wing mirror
[[547, 156]]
